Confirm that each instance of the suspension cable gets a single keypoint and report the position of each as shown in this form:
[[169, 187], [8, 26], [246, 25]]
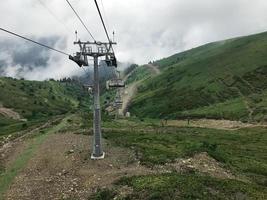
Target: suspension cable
[[102, 20], [105, 15], [103, 23], [80, 20], [30, 40], [54, 15]]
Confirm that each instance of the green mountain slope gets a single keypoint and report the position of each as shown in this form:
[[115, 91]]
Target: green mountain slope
[[226, 79], [35, 101]]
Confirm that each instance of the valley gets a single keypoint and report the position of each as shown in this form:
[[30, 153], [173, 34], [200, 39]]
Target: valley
[[197, 130]]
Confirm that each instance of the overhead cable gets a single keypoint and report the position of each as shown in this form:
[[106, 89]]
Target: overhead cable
[[54, 15], [105, 15], [102, 20], [30, 40], [91, 35]]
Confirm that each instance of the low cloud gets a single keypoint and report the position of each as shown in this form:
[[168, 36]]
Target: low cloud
[[21, 59]]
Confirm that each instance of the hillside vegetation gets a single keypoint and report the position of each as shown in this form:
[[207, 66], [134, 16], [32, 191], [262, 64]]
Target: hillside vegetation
[[46, 135], [226, 79], [36, 101]]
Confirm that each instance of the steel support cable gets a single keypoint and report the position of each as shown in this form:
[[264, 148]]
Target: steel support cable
[[102, 20], [53, 14], [30, 40], [103, 23], [81, 20], [108, 25], [105, 15]]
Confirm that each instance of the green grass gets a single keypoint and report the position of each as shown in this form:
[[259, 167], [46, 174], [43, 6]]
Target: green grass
[[38, 102], [139, 73], [103, 194], [8, 175], [189, 186], [209, 75], [34, 99], [13, 127], [242, 151], [258, 102], [234, 109]]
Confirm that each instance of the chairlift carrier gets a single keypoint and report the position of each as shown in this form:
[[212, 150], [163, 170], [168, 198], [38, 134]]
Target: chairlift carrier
[[118, 103], [115, 83], [111, 61], [79, 60], [80, 57]]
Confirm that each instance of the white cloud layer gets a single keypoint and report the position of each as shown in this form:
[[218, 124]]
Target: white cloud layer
[[145, 30]]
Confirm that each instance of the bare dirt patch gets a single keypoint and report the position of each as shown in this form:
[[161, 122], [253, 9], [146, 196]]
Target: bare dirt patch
[[10, 151], [154, 69], [202, 163], [11, 148], [7, 112], [61, 168], [127, 96], [212, 123], [130, 91]]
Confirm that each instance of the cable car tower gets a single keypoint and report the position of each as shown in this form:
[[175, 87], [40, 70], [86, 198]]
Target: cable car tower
[[95, 50], [92, 49]]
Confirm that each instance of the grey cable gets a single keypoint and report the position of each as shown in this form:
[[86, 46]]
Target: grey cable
[[30, 40], [81, 20]]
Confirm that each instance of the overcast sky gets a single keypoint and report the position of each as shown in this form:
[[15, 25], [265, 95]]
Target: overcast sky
[[145, 30]]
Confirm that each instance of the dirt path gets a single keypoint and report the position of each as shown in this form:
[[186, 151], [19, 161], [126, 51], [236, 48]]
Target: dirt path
[[15, 154], [128, 75], [61, 168], [58, 166], [129, 92], [214, 124], [154, 69], [127, 95]]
